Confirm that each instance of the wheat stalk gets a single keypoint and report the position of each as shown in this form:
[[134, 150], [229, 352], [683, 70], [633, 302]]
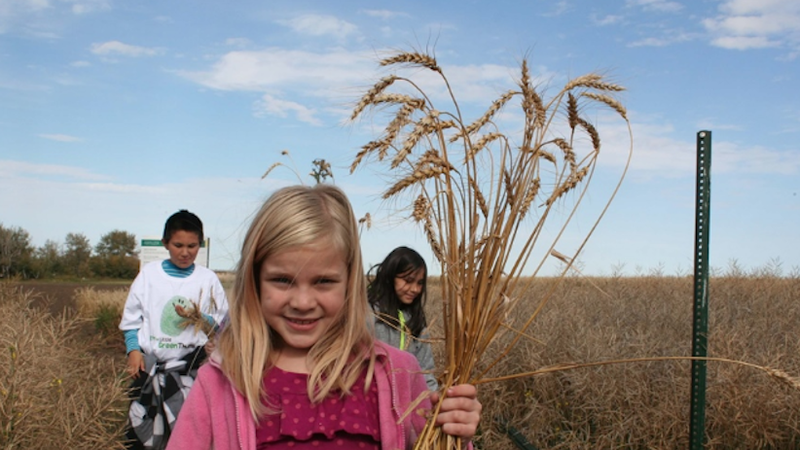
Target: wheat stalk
[[193, 316], [776, 374], [477, 213], [413, 58]]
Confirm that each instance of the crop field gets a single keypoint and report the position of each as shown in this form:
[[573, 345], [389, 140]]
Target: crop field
[[646, 405], [62, 385]]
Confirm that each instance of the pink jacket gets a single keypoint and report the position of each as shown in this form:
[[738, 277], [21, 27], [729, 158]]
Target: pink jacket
[[215, 416]]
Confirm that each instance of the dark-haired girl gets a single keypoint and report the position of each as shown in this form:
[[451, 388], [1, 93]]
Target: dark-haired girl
[[397, 295]]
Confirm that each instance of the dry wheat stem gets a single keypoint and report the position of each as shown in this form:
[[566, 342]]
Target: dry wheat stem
[[776, 374], [577, 252], [549, 294], [608, 100], [369, 97], [270, 169], [487, 116], [421, 128], [482, 142], [194, 318], [412, 58], [475, 215], [414, 102]]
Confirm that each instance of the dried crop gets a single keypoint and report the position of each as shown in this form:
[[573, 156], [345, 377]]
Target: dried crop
[[54, 391], [483, 195]]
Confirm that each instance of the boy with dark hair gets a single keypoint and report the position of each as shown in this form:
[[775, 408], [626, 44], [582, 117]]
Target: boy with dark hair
[[172, 308]]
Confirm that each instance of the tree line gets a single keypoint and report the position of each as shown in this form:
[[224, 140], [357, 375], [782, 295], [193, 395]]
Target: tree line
[[114, 256]]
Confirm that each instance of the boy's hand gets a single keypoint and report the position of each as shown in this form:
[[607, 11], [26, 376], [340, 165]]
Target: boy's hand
[[460, 412], [182, 311], [135, 363]]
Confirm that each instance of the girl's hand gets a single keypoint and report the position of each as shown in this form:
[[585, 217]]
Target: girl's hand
[[460, 412], [135, 363], [210, 346]]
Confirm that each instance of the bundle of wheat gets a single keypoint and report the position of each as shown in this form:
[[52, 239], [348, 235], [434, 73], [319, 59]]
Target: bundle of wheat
[[483, 196], [193, 316]]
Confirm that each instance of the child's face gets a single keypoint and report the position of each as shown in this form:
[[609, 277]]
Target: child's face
[[183, 247], [408, 285], [302, 291]]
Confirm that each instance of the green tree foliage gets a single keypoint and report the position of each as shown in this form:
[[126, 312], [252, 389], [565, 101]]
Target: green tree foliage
[[116, 243], [77, 255], [47, 260], [115, 266], [15, 252], [116, 255]]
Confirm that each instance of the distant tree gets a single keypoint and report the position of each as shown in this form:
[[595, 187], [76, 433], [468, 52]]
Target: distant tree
[[48, 261], [116, 256], [116, 243], [114, 266], [77, 255], [15, 252]]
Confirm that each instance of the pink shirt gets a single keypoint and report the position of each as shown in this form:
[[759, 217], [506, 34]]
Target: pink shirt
[[349, 422], [216, 416]]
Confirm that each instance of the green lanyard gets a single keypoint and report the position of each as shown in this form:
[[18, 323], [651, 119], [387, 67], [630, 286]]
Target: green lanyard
[[402, 330]]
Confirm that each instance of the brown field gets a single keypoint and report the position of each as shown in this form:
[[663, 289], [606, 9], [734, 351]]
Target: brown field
[[59, 380], [641, 405], [58, 296], [646, 405]]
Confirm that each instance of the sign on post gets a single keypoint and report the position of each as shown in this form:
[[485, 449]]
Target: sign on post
[[153, 250]]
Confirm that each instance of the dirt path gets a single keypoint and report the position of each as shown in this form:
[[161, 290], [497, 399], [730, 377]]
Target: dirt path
[[58, 296]]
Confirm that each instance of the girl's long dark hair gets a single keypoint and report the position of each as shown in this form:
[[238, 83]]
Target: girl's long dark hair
[[381, 293]]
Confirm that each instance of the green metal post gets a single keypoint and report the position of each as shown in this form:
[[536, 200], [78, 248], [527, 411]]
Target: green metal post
[[700, 325]]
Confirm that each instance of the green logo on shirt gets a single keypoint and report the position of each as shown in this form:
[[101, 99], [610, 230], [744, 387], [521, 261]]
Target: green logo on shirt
[[170, 320]]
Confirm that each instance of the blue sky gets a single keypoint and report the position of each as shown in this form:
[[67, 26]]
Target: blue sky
[[115, 114]]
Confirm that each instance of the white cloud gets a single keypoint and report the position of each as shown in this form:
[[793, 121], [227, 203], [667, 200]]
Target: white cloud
[[80, 64], [481, 84], [710, 124], [670, 37], [294, 78], [89, 6], [122, 188], [61, 137], [21, 169], [268, 69], [657, 153], [650, 42], [12, 7], [743, 42], [238, 42], [754, 24], [559, 8], [118, 48], [43, 19], [609, 19], [740, 7], [49, 207], [731, 157], [269, 105], [383, 14], [320, 25], [656, 5], [17, 13]]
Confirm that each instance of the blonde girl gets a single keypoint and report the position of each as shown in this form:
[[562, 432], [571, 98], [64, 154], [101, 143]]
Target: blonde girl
[[297, 365]]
